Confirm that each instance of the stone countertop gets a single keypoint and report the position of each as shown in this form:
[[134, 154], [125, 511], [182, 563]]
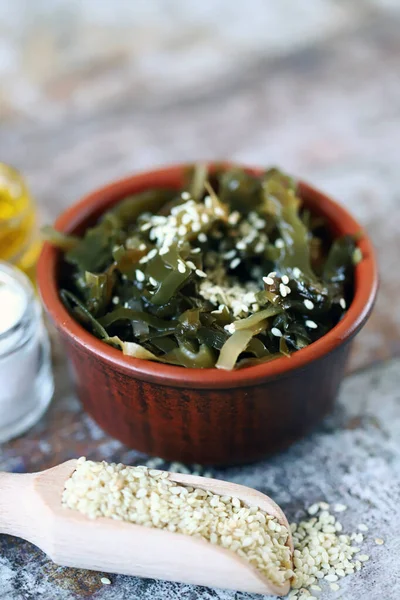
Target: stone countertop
[[89, 93]]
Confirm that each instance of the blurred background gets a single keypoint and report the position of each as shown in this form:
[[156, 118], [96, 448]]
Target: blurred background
[[92, 90]]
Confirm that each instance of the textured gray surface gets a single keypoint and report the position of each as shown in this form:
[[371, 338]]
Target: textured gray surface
[[354, 458], [93, 90]]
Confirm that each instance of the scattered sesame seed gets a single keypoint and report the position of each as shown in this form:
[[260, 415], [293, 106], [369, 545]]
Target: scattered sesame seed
[[153, 281], [362, 527], [191, 264], [313, 509], [362, 557], [208, 202], [181, 267], [276, 332], [163, 251], [279, 243], [219, 211], [202, 237], [146, 226], [241, 246], [140, 276], [282, 290], [234, 217], [182, 230], [334, 587], [379, 541], [142, 246], [331, 577], [342, 303], [152, 253], [272, 274], [105, 581], [285, 279], [339, 507], [115, 300], [236, 262], [200, 273], [143, 260], [230, 254], [315, 588], [260, 247], [186, 219], [324, 506], [196, 227], [196, 250], [311, 324], [296, 272], [205, 218], [185, 196], [308, 304], [230, 327]]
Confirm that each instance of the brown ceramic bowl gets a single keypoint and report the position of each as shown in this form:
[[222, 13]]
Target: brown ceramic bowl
[[205, 416]]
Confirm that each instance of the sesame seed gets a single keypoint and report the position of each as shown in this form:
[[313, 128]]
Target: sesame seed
[[163, 251], [146, 226], [200, 273], [196, 227], [316, 588], [272, 274], [379, 541], [182, 230], [115, 300], [153, 281], [313, 509], [186, 219], [142, 246], [276, 332], [334, 587], [236, 262], [191, 264], [208, 202], [260, 247], [342, 303], [196, 250], [219, 211], [339, 507], [181, 267], [279, 243], [202, 238], [311, 324], [331, 577], [152, 253], [105, 581], [185, 195], [296, 272], [308, 304], [362, 527], [285, 279], [234, 217], [241, 246], [140, 276], [230, 254], [230, 327], [324, 506], [282, 290], [362, 557]]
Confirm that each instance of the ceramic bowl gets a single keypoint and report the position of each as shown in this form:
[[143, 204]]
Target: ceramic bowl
[[205, 416]]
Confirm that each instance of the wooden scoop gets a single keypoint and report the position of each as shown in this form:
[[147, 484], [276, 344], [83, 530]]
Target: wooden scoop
[[30, 508]]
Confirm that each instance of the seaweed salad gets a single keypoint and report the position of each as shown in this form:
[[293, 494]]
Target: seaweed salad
[[227, 272]]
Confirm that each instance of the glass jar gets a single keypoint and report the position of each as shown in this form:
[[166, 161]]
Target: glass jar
[[26, 380], [19, 235]]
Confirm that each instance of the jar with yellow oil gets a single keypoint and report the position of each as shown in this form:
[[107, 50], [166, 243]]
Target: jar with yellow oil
[[19, 235]]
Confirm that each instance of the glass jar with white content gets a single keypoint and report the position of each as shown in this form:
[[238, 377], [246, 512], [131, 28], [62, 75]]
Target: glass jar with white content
[[26, 379]]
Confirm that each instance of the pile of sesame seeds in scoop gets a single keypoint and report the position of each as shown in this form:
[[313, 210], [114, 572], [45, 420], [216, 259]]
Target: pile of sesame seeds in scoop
[[230, 271], [323, 553]]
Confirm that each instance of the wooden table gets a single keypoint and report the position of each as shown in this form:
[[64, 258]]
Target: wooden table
[[323, 101]]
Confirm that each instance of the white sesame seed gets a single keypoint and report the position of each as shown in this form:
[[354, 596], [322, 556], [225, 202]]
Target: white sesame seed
[[313, 509], [272, 274], [236, 262], [202, 237], [181, 267], [311, 324], [268, 280], [331, 577], [146, 226], [152, 253], [379, 541], [182, 230], [219, 211], [196, 250], [241, 246], [324, 506], [339, 507], [285, 279], [334, 587], [260, 247], [200, 273], [115, 300], [316, 588], [191, 264], [105, 581], [342, 303], [153, 281], [196, 227], [230, 327], [140, 276], [282, 290], [276, 332], [296, 272], [362, 557], [185, 196], [308, 304], [230, 254], [279, 243], [208, 202], [362, 527], [163, 251]]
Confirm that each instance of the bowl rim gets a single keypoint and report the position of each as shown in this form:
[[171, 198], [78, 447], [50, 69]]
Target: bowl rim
[[366, 284]]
